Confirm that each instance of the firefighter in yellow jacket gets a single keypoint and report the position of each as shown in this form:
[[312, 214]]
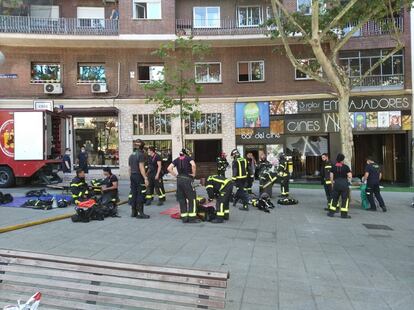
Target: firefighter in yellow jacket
[[239, 167], [220, 188]]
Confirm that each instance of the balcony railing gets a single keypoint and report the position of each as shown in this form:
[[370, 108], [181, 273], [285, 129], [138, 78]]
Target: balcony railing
[[217, 27], [377, 28], [61, 26], [379, 82]]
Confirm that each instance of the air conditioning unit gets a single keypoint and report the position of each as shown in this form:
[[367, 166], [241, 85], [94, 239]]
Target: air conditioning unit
[[53, 88], [99, 88]]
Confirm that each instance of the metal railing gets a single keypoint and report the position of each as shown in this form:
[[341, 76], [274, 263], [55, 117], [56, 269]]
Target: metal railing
[[380, 82], [217, 27], [62, 26], [376, 28]]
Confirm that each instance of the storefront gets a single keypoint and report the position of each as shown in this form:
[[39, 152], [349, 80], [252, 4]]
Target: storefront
[[307, 128]]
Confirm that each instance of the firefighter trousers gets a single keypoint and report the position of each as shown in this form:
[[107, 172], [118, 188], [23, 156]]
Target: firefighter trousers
[[223, 201], [374, 190], [186, 197], [328, 191], [284, 186], [138, 193], [156, 186], [241, 192], [249, 184], [340, 190]]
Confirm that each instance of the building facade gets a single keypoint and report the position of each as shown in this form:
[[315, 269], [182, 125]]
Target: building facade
[[92, 58]]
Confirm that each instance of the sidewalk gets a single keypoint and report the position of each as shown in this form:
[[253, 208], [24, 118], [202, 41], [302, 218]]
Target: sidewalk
[[293, 258]]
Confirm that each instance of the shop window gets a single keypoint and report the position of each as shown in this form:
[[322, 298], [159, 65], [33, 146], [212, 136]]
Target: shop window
[[304, 6], [206, 17], [148, 73], [312, 64], [250, 16], [208, 72], [147, 9], [45, 73], [151, 124], [207, 123], [91, 73], [251, 71], [99, 136]]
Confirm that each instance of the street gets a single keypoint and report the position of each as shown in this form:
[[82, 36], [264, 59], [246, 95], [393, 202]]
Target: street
[[293, 258]]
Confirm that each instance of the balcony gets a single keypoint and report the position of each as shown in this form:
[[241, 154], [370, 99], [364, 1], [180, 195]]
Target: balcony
[[58, 26], [379, 82], [217, 28], [376, 28]]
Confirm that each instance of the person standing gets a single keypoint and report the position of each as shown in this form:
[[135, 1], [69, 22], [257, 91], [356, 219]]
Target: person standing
[[83, 160], [326, 177], [138, 179], [239, 167], [185, 171], [155, 178], [373, 177], [251, 166], [66, 165], [222, 164], [219, 187], [341, 176], [263, 164], [283, 174]]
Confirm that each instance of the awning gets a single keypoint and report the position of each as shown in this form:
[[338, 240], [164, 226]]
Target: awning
[[91, 111]]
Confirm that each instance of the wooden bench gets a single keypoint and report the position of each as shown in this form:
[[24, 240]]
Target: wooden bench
[[76, 283]]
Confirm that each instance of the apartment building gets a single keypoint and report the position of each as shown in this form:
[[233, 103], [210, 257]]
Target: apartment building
[[90, 60]]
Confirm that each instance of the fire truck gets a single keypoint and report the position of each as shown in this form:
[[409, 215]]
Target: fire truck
[[31, 145]]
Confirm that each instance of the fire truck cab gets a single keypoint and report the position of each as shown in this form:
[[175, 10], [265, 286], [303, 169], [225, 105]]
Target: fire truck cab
[[32, 144]]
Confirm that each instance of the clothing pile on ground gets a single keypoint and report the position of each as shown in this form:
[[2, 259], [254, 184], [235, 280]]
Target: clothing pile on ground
[[5, 198], [42, 200]]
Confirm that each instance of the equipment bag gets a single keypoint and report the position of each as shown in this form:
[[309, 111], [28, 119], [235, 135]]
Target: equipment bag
[[5, 198], [287, 201], [364, 199]]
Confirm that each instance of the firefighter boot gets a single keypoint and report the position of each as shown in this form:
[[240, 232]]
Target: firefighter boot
[[344, 215], [140, 212], [134, 212]]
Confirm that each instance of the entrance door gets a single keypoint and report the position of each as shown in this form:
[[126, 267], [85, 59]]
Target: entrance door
[[205, 153]]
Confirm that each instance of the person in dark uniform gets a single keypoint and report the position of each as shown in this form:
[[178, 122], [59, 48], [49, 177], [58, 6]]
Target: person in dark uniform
[[138, 179], [186, 195], [83, 160], [373, 177], [110, 187], [222, 164], [219, 187], [79, 188], [239, 167], [326, 177], [251, 166], [262, 165], [155, 178], [341, 176], [283, 174]]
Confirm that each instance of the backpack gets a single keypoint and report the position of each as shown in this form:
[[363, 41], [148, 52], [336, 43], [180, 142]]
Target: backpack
[[5, 198]]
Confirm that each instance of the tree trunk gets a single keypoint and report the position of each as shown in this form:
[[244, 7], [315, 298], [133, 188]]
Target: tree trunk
[[347, 138], [182, 125]]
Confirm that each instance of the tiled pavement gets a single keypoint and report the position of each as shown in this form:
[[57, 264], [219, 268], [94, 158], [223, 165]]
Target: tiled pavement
[[293, 258]]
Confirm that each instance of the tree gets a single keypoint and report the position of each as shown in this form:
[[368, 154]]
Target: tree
[[326, 26], [176, 86]]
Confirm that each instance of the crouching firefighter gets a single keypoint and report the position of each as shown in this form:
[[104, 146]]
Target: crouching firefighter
[[341, 176], [185, 172], [240, 179], [79, 188], [220, 188]]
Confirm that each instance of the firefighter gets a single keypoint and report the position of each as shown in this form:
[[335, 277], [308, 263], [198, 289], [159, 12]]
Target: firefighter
[[266, 180], [139, 180], [341, 176], [78, 187], [263, 164], [155, 178], [220, 188], [372, 177], [251, 166], [222, 164], [326, 177], [110, 187], [185, 172], [240, 178], [283, 174]]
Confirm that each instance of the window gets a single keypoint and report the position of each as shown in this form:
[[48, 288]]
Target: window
[[251, 71], [147, 9], [206, 17], [312, 63], [91, 17], [250, 16], [44, 11], [45, 73], [151, 124], [208, 72], [305, 6], [91, 73], [208, 123], [150, 72]]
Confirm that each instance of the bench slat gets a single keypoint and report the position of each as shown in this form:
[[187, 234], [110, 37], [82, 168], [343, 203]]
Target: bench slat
[[114, 290], [115, 272], [97, 298], [115, 265], [114, 280]]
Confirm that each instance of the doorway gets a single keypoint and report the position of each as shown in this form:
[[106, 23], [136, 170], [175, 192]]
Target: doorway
[[205, 153], [388, 150]]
